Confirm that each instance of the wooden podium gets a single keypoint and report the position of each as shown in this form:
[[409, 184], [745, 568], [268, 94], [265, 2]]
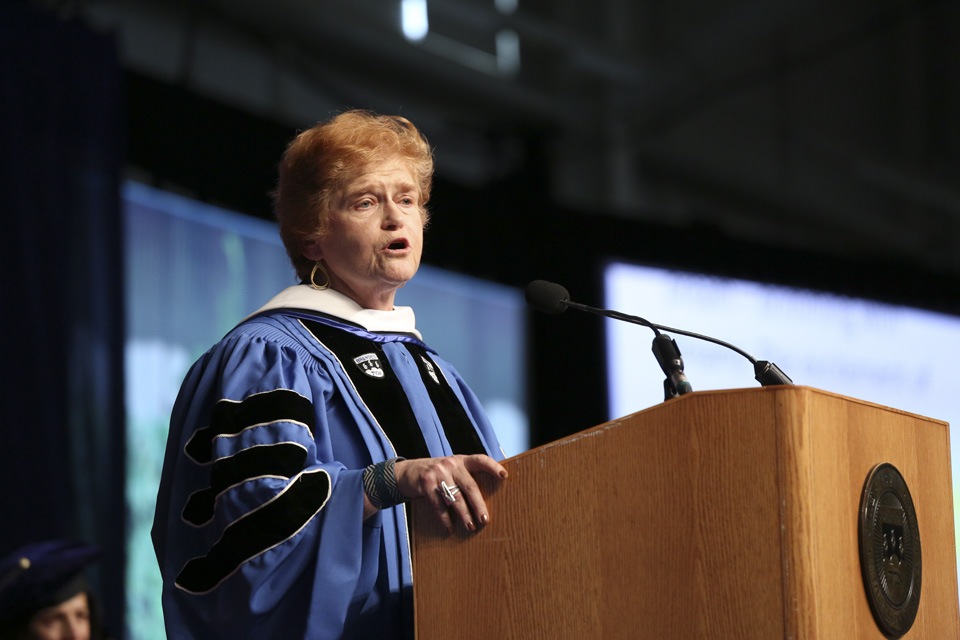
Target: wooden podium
[[730, 514]]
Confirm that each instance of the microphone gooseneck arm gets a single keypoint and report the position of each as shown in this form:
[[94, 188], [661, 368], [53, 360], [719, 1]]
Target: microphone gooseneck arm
[[657, 328], [765, 372], [553, 298], [664, 348]]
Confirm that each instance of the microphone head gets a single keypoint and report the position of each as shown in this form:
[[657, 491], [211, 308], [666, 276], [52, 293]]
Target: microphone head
[[547, 297]]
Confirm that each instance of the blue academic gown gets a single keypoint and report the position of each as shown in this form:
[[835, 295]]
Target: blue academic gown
[[259, 528]]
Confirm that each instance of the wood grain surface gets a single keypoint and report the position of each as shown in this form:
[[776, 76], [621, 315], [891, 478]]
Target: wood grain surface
[[720, 515]]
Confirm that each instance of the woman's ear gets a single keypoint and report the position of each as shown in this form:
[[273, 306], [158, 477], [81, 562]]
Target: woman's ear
[[310, 248]]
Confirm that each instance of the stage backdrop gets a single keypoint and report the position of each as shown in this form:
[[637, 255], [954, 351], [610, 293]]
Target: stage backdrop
[[61, 393]]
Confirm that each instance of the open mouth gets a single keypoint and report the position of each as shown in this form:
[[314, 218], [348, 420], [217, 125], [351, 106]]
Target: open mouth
[[396, 245]]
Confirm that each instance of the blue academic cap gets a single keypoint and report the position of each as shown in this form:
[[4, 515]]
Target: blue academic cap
[[42, 575]]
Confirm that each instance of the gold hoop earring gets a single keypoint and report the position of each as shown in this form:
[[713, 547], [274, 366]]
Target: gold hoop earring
[[325, 285]]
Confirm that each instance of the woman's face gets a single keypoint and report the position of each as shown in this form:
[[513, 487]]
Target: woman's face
[[374, 234], [68, 620]]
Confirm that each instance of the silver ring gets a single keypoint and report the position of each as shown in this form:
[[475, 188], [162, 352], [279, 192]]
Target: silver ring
[[449, 492]]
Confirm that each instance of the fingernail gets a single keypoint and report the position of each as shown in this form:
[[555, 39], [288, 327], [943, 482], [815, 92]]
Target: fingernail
[[503, 474], [471, 526], [484, 519]]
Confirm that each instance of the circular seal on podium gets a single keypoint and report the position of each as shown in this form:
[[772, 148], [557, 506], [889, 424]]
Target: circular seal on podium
[[890, 558]]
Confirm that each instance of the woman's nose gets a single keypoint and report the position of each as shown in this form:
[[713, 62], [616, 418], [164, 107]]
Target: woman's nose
[[392, 216], [76, 630]]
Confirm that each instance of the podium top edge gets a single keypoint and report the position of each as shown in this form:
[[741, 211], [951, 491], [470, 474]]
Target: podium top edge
[[690, 397]]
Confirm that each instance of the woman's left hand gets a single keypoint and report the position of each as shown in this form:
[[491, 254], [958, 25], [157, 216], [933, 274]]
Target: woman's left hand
[[423, 478]]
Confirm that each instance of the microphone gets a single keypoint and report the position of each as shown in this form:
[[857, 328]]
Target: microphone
[[547, 297], [553, 298]]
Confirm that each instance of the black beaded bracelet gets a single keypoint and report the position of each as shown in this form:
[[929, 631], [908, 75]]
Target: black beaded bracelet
[[380, 484]]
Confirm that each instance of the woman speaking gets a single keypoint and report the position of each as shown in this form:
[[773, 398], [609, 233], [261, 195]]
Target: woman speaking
[[296, 440]]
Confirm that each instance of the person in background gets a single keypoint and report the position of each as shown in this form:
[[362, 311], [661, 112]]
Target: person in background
[[296, 441], [44, 594]]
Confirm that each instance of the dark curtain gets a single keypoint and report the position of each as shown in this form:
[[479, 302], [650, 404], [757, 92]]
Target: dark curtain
[[61, 466]]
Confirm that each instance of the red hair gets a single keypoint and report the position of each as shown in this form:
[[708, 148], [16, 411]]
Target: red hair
[[321, 160]]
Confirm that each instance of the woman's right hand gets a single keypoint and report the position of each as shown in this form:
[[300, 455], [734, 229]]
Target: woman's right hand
[[422, 478]]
